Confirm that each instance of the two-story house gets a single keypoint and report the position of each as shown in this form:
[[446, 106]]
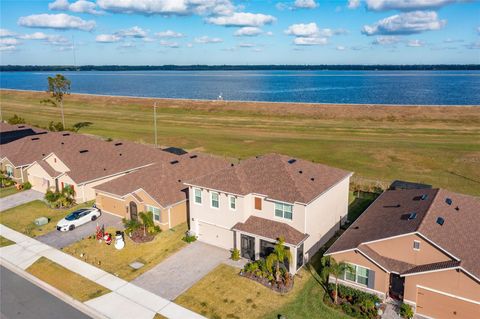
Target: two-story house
[[250, 205], [421, 246]]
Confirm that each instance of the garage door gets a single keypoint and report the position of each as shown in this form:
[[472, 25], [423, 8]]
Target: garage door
[[436, 305], [215, 235], [39, 184]]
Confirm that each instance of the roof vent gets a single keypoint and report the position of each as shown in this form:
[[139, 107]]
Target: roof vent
[[43, 154], [83, 151], [118, 144], [21, 126], [356, 227], [412, 215], [232, 165], [120, 154], [66, 134], [193, 156], [104, 169], [440, 221], [174, 162], [35, 138], [424, 197], [312, 179], [448, 201], [179, 180], [291, 161], [457, 208], [300, 172], [392, 206], [63, 143]]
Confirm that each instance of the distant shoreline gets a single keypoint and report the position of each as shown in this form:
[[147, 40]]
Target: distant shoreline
[[257, 102]]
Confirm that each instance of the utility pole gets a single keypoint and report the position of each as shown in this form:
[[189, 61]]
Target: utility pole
[[155, 122]]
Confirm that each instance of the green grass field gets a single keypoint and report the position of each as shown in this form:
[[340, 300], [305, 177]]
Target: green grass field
[[434, 145]]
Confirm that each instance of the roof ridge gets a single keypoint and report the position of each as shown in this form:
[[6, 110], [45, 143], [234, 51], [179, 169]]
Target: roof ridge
[[427, 211]]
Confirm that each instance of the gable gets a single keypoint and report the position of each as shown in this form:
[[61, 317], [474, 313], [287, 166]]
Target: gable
[[56, 163]]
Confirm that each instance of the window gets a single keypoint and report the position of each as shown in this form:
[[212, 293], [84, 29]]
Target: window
[[198, 195], [360, 275], [9, 171], [233, 202], [155, 212], [283, 211], [215, 203], [258, 203], [416, 245]]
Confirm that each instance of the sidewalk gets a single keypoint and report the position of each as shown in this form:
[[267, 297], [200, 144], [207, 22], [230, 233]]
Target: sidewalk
[[125, 301]]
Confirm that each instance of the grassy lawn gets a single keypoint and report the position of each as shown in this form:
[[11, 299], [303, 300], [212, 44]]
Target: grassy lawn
[[21, 218], [117, 261], [357, 206], [7, 191], [433, 145], [5, 242], [74, 285]]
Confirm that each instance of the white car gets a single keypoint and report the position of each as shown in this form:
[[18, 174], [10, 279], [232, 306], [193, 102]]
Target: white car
[[78, 218]]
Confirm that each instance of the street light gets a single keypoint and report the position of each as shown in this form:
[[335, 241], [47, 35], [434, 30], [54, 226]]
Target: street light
[[155, 122]]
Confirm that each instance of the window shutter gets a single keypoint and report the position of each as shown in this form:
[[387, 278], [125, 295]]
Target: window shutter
[[62, 185], [371, 279], [258, 203]]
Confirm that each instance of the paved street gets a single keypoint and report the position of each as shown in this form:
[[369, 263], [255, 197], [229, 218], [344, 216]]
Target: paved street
[[23, 300], [19, 199], [59, 239], [182, 270]]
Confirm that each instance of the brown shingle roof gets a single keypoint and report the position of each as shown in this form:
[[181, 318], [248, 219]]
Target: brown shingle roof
[[50, 171], [433, 266], [389, 263], [274, 176], [164, 181], [388, 216], [271, 229]]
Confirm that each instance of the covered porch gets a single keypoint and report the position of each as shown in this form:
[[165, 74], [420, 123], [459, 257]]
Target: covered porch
[[256, 238]]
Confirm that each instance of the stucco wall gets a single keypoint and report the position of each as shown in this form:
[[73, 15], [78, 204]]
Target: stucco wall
[[324, 215], [56, 163], [111, 205], [401, 248], [39, 178], [382, 278], [178, 214]]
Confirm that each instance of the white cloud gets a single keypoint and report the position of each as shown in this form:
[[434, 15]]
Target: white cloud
[[134, 32], [9, 41], [478, 30], [407, 5], [415, 43], [353, 4], [189, 45], [246, 45], [303, 29], [473, 45], [7, 48], [169, 34], [169, 44], [6, 33], [168, 7], [341, 48], [450, 40], [107, 38], [242, 19], [206, 39], [406, 23], [80, 6], [248, 32], [310, 41], [59, 21], [387, 40], [305, 4], [51, 39]]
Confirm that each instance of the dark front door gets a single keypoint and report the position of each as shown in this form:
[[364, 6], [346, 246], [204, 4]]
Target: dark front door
[[133, 211], [397, 285], [248, 247], [266, 248], [299, 256]]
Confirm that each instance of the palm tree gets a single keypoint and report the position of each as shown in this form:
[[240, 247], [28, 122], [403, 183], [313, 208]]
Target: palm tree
[[58, 86], [279, 254], [331, 267]]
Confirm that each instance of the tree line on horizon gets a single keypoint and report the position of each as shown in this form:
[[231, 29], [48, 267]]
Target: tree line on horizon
[[276, 67]]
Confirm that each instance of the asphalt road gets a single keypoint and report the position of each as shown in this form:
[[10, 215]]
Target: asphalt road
[[20, 299]]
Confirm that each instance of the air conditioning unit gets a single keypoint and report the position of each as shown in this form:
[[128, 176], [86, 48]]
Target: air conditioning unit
[[40, 221]]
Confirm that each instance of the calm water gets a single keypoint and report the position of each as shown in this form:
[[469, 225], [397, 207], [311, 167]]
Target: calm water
[[376, 87]]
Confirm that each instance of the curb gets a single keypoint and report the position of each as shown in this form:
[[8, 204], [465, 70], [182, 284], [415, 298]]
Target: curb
[[53, 291]]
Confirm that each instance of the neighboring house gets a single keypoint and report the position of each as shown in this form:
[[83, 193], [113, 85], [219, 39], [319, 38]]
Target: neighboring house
[[250, 205], [421, 246], [158, 189], [83, 162], [10, 133]]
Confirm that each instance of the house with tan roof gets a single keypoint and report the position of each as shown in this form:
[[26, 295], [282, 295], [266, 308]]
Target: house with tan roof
[[421, 246], [251, 205], [158, 188]]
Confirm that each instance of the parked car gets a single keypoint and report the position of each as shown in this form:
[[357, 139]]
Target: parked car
[[78, 218]]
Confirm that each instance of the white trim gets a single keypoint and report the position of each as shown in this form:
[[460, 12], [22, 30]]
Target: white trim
[[153, 199], [434, 244], [211, 200], [430, 271], [359, 286], [195, 197], [448, 294], [211, 224], [212, 189], [412, 303], [115, 174], [387, 238], [423, 316], [230, 203], [416, 242], [341, 251], [269, 239], [169, 222], [107, 194], [356, 265], [283, 218], [372, 260]]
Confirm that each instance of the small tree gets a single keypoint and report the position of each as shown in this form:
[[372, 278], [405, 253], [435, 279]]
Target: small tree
[[331, 267], [148, 223], [79, 125], [279, 254], [59, 86], [15, 119]]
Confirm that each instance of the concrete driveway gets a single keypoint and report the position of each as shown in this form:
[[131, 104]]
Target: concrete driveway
[[182, 270], [19, 199], [58, 239]]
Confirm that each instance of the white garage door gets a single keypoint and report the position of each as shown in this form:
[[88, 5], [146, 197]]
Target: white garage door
[[440, 306], [39, 184], [215, 235]]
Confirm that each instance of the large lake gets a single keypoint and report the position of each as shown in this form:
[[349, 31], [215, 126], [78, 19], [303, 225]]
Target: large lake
[[363, 87]]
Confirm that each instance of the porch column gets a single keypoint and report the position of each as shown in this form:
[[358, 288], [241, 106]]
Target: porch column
[[257, 247], [293, 264]]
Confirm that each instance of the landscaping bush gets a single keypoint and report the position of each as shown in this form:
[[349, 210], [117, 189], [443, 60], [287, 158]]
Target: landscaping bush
[[356, 303], [26, 185], [406, 311], [6, 181], [131, 225], [63, 199], [188, 238], [15, 119], [235, 254]]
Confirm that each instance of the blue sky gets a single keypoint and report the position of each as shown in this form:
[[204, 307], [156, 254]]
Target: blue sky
[[156, 32]]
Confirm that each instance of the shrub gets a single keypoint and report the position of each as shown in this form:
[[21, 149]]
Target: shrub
[[27, 185], [15, 119], [406, 311], [55, 127], [189, 238], [148, 223], [235, 254], [131, 225]]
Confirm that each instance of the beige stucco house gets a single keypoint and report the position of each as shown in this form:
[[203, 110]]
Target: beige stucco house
[[420, 246], [250, 205]]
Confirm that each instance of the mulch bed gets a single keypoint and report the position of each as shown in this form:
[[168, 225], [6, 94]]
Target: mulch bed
[[138, 237], [277, 287]]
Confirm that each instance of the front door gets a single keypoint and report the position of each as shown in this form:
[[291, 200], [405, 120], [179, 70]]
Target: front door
[[397, 285], [248, 247], [133, 211]]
